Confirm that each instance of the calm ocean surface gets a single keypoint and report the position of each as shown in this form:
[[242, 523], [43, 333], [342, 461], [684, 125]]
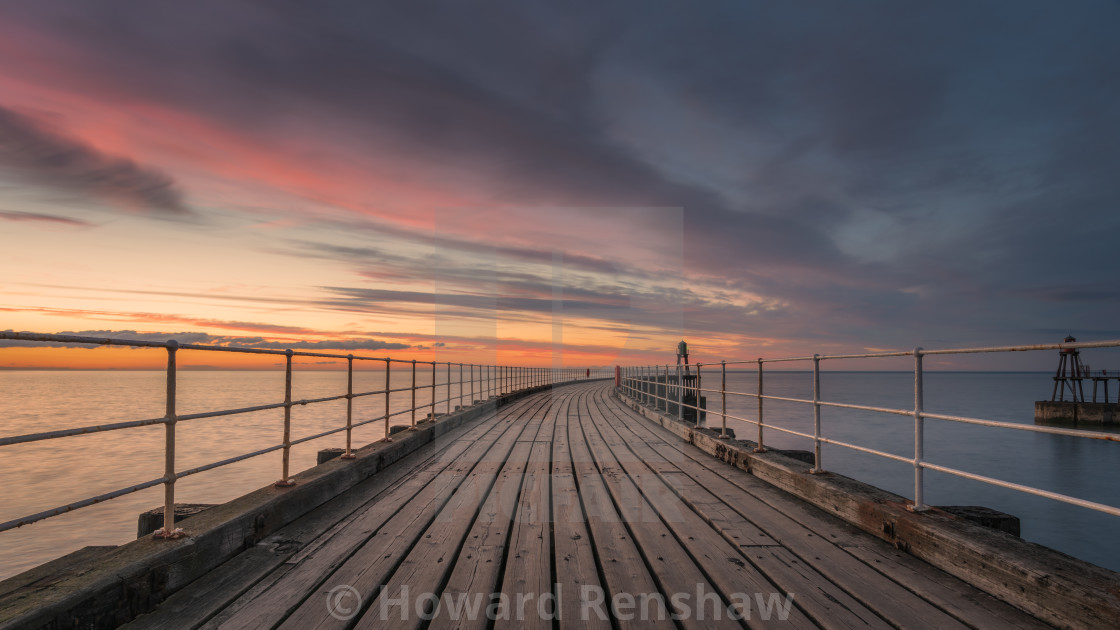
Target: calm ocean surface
[[48, 474]]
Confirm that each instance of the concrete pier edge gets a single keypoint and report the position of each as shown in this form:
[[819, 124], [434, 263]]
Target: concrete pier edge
[[1057, 588], [114, 585]]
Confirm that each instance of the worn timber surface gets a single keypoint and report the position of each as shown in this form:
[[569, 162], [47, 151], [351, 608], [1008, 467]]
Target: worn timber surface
[[566, 509]]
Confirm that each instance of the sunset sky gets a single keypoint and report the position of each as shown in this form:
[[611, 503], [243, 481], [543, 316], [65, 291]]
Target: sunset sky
[[481, 181]]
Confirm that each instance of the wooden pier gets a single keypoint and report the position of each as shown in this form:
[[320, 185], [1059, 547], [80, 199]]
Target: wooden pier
[[561, 500], [563, 508]]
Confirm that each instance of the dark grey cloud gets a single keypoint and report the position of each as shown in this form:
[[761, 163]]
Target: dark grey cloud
[[48, 158], [881, 171], [43, 218]]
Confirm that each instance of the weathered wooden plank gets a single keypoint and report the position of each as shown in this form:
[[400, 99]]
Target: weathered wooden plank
[[197, 603], [267, 602], [271, 600], [476, 571], [371, 564], [622, 568], [964, 601], [820, 561], [1054, 587], [465, 599], [671, 566], [402, 601], [681, 540], [528, 575], [573, 556], [718, 514]]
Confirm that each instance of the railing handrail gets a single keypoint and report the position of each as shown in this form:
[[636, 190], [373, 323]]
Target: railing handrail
[[644, 382], [493, 380], [1110, 343]]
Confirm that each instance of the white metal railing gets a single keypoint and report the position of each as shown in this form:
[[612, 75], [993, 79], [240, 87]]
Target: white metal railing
[[488, 381], [652, 386]]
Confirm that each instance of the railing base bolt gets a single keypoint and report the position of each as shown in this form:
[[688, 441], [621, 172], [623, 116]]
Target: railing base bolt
[[816, 471], [916, 508], [763, 450], [350, 456], [285, 483]]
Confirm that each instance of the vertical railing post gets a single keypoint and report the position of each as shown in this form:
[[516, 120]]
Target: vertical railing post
[[472, 383], [285, 480], [388, 438], [723, 398], [449, 388], [761, 448], [680, 394], [646, 386], [817, 467], [412, 427], [462, 390], [349, 454], [919, 434], [433, 391], [699, 385], [664, 398], [658, 400], [170, 420]]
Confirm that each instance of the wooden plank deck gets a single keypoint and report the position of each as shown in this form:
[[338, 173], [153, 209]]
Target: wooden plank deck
[[579, 513]]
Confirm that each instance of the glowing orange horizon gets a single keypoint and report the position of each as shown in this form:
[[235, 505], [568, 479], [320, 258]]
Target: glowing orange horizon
[[118, 358]]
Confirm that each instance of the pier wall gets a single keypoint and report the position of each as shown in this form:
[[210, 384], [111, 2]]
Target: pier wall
[[1076, 412], [1057, 588]]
